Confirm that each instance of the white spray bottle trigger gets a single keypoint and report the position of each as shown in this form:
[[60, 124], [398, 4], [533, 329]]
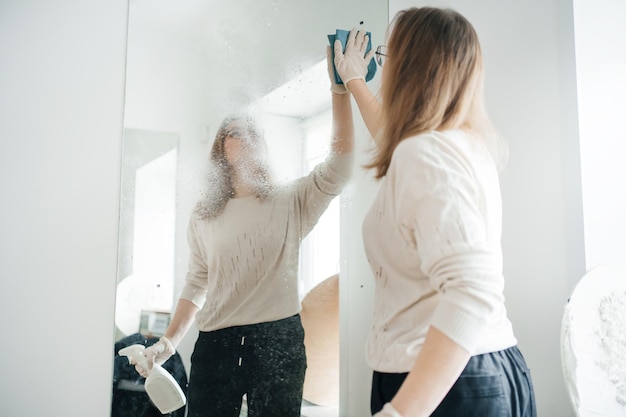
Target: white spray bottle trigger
[[160, 385], [135, 353]]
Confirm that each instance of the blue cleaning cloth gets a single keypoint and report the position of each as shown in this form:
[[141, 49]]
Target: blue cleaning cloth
[[342, 35]]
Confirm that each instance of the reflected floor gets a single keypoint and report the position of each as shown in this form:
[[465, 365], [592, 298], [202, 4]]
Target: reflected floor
[[308, 410], [312, 410]]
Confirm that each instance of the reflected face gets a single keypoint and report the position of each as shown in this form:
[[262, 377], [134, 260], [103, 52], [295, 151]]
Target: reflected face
[[382, 60], [240, 144]]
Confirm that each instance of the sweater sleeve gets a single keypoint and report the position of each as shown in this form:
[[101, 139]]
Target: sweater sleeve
[[440, 214], [315, 191], [331, 175], [196, 281]]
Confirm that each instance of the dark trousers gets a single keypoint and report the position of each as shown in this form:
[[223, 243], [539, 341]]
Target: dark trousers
[[265, 361], [495, 384]]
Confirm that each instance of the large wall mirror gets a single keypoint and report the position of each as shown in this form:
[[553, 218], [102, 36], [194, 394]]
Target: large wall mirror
[[191, 63]]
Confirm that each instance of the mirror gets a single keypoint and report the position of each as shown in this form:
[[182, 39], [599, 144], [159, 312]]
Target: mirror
[[191, 63]]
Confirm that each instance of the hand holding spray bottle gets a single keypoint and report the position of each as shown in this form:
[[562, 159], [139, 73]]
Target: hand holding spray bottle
[[160, 386]]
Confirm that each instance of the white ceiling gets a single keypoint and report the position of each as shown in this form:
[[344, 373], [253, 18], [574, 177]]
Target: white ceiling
[[263, 44]]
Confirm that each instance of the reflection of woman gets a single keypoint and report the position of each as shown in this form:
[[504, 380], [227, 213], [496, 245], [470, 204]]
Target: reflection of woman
[[440, 343], [241, 289]]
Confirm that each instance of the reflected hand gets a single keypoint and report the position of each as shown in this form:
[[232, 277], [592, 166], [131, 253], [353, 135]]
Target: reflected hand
[[388, 411], [334, 87], [352, 63], [157, 353]]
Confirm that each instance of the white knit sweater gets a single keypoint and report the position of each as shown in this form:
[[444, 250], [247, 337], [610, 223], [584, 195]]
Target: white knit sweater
[[432, 238], [243, 267]]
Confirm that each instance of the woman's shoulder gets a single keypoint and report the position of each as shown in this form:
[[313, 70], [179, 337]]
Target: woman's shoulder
[[455, 144], [435, 140], [437, 154]]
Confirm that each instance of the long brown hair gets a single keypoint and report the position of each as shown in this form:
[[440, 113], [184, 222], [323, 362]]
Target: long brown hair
[[432, 80], [219, 179]]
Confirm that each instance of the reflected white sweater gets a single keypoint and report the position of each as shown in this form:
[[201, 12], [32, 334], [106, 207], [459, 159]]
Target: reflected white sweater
[[243, 267], [432, 238]]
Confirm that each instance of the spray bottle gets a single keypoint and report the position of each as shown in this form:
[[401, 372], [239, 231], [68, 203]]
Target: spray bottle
[[160, 386]]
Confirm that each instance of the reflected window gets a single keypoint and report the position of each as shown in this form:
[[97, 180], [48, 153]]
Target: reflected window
[[300, 130], [147, 226], [319, 256]]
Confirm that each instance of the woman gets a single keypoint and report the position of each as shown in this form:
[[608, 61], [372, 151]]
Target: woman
[[440, 343], [241, 289]]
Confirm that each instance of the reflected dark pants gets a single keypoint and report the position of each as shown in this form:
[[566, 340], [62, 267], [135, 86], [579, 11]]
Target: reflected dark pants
[[266, 361], [495, 384]]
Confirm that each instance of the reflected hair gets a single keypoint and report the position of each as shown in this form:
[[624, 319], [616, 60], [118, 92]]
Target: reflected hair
[[433, 80], [219, 177]]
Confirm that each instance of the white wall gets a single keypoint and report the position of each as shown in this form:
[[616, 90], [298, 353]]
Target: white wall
[[531, 96], [61, 106], [601, 63]]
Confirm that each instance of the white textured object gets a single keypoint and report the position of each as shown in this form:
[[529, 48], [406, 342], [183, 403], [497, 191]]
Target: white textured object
[[593, 343]]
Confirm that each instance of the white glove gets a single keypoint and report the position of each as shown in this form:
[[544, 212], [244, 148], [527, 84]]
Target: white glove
[[352, 63], [157, 353], [334, 87], [388, 411]]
